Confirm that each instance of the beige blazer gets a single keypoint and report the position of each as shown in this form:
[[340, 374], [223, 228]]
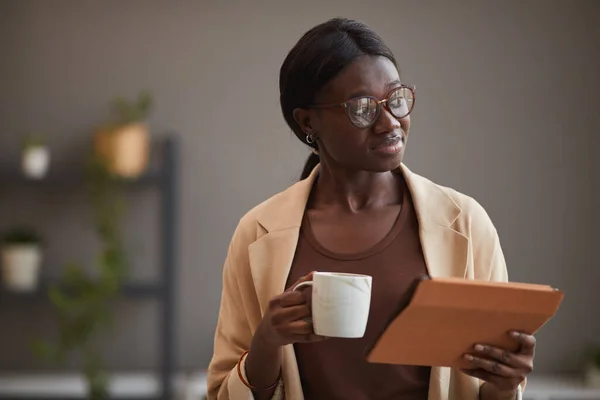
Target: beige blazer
[[457, 236]]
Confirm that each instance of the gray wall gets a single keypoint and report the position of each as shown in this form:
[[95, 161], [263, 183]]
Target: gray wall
[[507, 111]]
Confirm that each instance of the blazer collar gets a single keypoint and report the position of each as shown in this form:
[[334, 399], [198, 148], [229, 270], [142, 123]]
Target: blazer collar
[[271, 255], [432, 204]]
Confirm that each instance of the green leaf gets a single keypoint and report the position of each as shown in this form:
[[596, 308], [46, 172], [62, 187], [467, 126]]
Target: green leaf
[[60, 299], [126, 112]]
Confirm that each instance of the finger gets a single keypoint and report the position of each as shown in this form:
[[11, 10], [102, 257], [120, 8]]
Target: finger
[[493, 366], [481, 374], [504, 356], [310, 338], [300, 327], [308, 277], [289, 314], [290, 299], [526, 341], [302, 331]]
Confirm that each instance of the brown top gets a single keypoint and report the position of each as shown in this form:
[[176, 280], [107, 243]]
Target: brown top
[[336, 368]]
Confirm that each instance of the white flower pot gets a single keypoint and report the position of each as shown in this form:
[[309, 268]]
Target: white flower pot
[[21, 266], [592, 376], [35, 162]]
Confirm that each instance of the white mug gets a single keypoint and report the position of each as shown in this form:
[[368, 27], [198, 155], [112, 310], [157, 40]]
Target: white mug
[[340, 303]]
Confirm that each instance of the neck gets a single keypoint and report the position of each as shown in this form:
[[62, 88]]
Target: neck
[[354, 191]]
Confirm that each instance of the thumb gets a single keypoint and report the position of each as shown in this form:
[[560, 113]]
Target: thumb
[[308, 277]]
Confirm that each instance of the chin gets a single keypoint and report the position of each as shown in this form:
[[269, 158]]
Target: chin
[[393, 166], [386, 164]]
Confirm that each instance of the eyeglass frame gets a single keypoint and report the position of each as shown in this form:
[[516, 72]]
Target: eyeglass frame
[[346, 105]]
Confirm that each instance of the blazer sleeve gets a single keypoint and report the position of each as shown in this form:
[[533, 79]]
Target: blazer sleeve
[[489, 261], [233, 334]]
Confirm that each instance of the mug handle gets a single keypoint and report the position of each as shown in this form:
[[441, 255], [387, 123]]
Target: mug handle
[[300, 286], [303, 284]]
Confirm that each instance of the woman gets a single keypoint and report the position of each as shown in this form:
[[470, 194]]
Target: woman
[[356, 209]]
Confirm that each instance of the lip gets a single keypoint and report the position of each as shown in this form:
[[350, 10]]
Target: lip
[[392, 145]]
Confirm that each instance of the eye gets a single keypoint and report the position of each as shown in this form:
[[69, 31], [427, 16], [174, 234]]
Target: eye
[[361, 106], [400, 102], [397, 100], [362, 111]]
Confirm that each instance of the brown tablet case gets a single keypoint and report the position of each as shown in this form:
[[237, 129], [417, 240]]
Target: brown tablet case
[[445, 317]]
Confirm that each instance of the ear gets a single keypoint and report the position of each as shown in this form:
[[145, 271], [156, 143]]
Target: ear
[[303, 119]]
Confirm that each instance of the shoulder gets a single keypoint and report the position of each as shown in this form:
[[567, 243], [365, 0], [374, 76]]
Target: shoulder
[[282, 210]]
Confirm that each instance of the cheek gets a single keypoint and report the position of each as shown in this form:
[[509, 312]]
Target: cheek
[[342, 140], [334, 128]]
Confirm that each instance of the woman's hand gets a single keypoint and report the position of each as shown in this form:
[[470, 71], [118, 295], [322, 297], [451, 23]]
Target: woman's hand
[[286, 321], [502, 370], [287, 318]]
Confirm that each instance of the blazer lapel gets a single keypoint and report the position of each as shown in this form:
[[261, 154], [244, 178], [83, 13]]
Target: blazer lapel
[[270, 260], [272, 254], [445, 249]]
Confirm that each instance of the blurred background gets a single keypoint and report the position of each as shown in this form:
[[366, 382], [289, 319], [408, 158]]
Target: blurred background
[[507, 105]]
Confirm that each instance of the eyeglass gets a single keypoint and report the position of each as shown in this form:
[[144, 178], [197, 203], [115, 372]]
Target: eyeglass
[[364, 111]]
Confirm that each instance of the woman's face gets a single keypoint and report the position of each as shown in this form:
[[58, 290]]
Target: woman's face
[[378, 148]]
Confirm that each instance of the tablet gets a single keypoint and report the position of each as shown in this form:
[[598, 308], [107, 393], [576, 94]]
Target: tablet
[[442, 318]]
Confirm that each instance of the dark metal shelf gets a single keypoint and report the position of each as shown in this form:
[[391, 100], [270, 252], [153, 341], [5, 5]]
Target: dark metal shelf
[[164, 176], [129, 290], [66, 179]]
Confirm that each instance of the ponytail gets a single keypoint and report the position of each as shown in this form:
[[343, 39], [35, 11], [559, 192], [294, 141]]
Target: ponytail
[[309, 165]]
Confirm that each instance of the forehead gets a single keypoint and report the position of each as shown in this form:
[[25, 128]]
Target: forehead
[[367, 76]]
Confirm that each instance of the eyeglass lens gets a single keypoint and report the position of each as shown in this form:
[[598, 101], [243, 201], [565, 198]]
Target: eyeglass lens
[[364, 110]]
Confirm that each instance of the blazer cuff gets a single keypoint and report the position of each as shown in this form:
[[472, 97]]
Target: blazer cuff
[[237, 389]]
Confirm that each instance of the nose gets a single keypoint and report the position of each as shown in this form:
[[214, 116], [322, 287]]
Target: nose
[[386, 122]]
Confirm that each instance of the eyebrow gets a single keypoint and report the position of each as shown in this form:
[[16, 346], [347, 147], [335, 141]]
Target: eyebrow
[[393, 83], [363, 92]]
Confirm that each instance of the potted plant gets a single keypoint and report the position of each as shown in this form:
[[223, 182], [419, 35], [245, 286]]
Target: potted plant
[[21, 259], [83, 297], [35, 157], [124, 144], [592, 368]]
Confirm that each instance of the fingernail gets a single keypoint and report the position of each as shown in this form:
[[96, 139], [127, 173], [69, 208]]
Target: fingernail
[[514, 334], [469, 357], [479, 347]]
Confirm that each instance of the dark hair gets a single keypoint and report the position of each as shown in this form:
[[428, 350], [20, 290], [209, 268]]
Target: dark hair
[[321, 54]]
